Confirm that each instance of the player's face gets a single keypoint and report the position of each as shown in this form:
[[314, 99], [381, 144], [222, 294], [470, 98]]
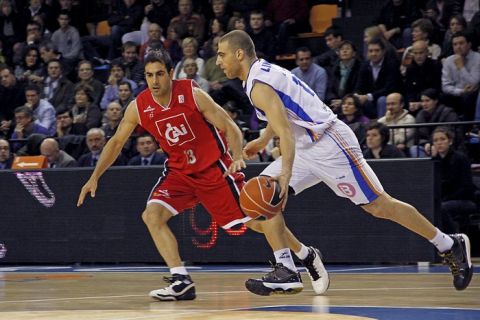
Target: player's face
[[227, 60], [159, 80]]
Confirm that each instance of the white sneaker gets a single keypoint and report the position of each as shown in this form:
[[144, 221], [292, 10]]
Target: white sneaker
[[316, 271], [181, 288]]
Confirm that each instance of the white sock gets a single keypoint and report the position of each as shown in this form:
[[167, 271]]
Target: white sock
[[442, 241], [284, 257], [303, 253], [179, 270]]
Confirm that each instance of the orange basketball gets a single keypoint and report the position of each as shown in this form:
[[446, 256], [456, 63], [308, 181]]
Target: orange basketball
[[259, 198]]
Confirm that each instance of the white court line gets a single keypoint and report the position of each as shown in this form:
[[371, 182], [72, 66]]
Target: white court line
[[362, 306], [225, 292]]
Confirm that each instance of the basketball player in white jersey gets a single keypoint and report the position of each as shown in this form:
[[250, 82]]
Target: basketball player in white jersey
[[317, 147]]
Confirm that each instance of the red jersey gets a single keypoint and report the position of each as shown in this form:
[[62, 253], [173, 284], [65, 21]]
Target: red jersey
[[191, 143]]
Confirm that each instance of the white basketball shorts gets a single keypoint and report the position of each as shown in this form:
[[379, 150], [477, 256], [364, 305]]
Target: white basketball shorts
[[337, 160]]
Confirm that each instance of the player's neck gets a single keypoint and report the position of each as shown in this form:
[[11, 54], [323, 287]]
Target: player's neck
[[162, 100], [247, 65]]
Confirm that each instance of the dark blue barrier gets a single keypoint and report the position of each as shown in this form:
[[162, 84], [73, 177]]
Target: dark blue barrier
[[40, 222]]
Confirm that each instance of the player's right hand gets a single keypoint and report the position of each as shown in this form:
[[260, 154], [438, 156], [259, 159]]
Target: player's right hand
[[252, 148], [89, 187]]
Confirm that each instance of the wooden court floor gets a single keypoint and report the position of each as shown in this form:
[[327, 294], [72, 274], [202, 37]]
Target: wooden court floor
[[361, 293]]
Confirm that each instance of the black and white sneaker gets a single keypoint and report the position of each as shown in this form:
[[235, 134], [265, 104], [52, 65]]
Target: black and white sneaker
[[181, 288], [316, 271], [279, 281], [459, 261]]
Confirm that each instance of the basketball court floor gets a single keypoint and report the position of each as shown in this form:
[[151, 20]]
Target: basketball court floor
[[121, 293]]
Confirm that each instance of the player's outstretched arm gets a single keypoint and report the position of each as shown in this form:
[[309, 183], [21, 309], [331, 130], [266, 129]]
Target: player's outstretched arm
[[221, 120], [111, 151], [266, 99]]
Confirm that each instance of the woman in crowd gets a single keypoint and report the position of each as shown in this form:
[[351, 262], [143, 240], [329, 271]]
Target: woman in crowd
[[378, 135], [31, 68], [84, 110]]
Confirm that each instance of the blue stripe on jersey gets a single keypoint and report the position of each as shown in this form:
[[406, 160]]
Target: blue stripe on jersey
[[367, 191], [294, 107]]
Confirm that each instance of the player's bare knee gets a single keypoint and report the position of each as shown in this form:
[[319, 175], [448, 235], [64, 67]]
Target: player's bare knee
[[155, 217]]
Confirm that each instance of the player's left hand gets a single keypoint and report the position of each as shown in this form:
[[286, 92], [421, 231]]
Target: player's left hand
[[283, 180], [237, 165]]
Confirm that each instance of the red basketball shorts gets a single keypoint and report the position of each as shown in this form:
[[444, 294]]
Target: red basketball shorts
[[219, 195]]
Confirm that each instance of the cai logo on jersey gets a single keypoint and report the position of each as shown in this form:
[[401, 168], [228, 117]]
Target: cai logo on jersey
[[175, 130]]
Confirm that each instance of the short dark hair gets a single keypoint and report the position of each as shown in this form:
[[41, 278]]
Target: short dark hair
[[382, 129], [349, 43], [303, 49], [126, 83], [464, 34], [377, 41], [62, 111], [448, 132], [24, 109], [33, 87], [431, 93], [333, 31], [161, 56]]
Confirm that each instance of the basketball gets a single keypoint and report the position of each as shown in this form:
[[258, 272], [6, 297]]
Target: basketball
[[259, 198]]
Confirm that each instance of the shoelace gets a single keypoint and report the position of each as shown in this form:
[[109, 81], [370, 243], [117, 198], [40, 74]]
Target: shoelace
[[450, 259], [275, 267]]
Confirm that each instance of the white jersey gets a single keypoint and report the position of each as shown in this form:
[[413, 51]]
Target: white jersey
[[308, 115]]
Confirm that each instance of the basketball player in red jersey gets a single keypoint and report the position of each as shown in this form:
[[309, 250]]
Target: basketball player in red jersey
[[186, 123]]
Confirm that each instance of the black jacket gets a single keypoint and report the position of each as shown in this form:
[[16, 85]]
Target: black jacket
[[388, 80], [419, 78], [334, 81]]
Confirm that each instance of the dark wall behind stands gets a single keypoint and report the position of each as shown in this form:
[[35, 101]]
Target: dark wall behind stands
[[40, 222]]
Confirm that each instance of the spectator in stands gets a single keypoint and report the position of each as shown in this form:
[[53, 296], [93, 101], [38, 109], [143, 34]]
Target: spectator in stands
[[85, 77], [158, 12], [131, 65], [126, 17], [457, 188], [231, 108], [376, 32], [148, 152], [67, 39], [288, 18], [84, 110], [125, 94], [310, 73], [195, 22], [56, 158], [11, 28], [113, 116], [190, 50], [38, 8], [343, 76], [219, 10], [218, 28], [461, 77], [378, 136], [396, 115], [421, 74], [43, 111], [173, 42], [378, 77], [30, 69], [154, 35], [352, 114], [25, 126], [117, 75], [395, 18], [65, 125], [48, 52], [333, 38], [95, 142], [432, 111], [457, 24], [57, 89], [12, 95], [237, 23], [446, 9], [262, 38], [34, 38], [190, 68], [6, 157], [78, 12], [422, 29]]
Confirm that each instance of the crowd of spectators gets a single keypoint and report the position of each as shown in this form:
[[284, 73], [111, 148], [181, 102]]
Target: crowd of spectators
[[65, 81]]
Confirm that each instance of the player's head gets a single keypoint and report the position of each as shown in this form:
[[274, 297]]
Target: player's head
[[235, 48], [158, 71]]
